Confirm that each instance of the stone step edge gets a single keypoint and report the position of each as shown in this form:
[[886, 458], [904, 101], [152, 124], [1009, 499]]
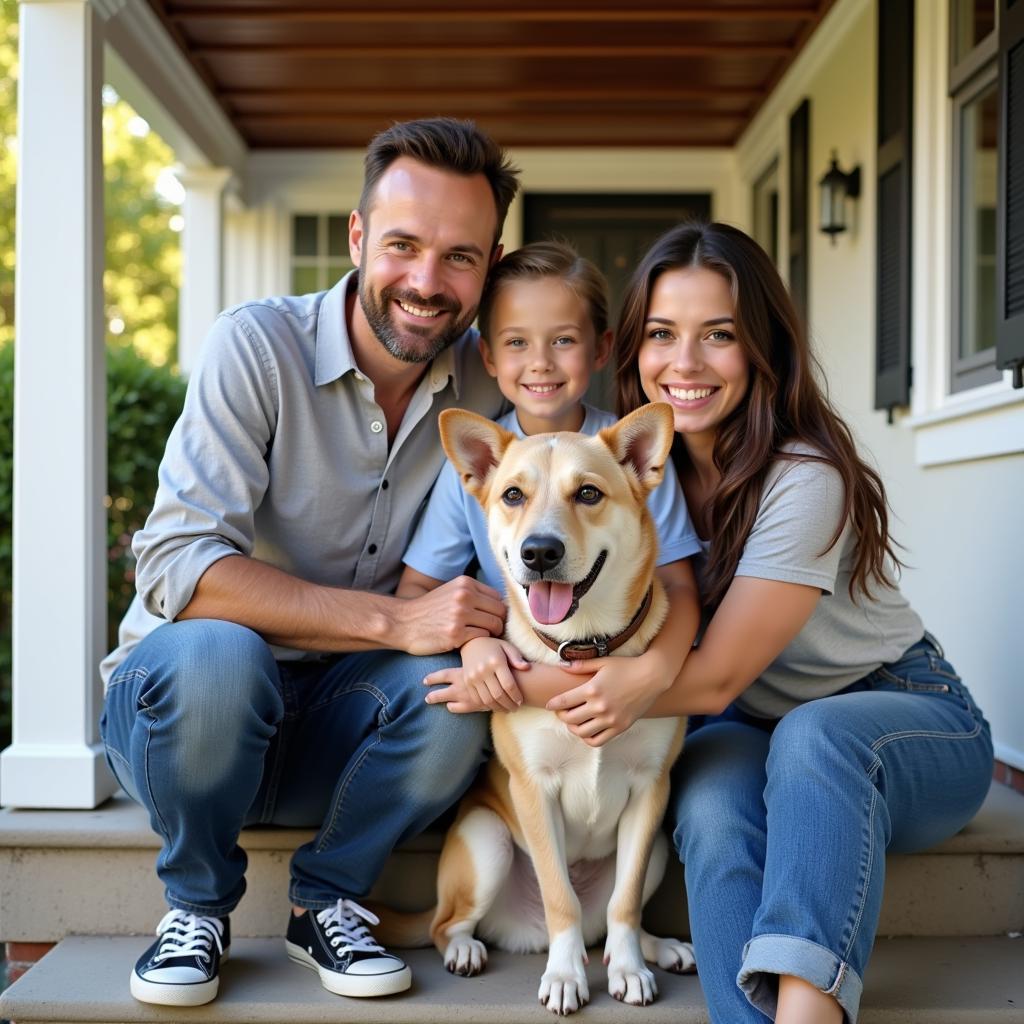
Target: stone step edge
[[911, 981], [121, 824]]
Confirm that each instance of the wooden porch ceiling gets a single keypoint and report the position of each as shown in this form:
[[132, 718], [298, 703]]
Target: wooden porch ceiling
[[328, 73]]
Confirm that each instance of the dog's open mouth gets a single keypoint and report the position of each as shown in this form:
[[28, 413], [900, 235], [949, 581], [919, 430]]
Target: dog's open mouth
[[552, 602]]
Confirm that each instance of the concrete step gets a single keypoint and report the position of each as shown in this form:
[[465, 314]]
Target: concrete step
[[89, 872], [910, 981]]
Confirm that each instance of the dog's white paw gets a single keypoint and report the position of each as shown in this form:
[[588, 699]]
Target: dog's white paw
[[564, 992], [465, 955], [633, 984], [675, 956]]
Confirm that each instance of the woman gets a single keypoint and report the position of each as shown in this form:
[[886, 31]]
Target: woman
[[835, 729]]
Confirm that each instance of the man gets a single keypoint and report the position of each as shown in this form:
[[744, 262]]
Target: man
[[264, 673]]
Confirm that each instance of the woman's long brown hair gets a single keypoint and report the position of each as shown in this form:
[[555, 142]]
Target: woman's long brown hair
[[785, 403]]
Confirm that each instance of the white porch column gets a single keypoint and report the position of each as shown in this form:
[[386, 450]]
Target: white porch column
[[202, 247], [59, 624]]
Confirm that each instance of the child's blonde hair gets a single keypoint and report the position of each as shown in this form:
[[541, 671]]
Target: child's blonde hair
[[548, 259]]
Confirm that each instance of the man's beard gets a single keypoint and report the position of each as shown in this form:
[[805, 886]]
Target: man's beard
[[413, 343]]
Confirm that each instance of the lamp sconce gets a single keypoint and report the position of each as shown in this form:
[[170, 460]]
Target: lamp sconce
[[836, 187]]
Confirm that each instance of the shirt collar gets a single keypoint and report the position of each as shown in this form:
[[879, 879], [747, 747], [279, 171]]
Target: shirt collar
[[334, 356]]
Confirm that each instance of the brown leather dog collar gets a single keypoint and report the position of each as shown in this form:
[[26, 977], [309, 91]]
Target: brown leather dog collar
[[598, 647]]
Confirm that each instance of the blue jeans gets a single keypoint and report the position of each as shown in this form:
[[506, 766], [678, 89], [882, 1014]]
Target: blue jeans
[[205, 729], [783, 826]]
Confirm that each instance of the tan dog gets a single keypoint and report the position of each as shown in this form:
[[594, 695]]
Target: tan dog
[[568, 520]]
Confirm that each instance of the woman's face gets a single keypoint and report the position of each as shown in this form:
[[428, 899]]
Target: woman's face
[[690, 356]]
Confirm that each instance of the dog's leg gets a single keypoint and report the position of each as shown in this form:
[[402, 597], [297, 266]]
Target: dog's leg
[[474, 866], [669, 954], [563, 987], [629, 978]]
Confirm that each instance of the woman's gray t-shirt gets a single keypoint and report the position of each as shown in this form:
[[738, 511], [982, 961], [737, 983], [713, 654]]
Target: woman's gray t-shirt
[[845, 638]]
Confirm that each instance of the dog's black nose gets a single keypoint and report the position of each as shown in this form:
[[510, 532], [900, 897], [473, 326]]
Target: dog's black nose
[[541, 553]]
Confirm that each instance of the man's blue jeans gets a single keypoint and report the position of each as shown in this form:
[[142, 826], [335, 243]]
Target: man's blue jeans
[[206, 730], [783, 827]]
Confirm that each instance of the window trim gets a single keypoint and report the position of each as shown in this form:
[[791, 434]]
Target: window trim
[[965, 372]]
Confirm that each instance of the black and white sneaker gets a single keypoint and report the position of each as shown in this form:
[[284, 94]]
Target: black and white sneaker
[[337, 944], [182, 968]]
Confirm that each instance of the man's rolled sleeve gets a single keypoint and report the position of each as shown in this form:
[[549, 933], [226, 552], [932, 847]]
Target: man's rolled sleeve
[[213, 474]]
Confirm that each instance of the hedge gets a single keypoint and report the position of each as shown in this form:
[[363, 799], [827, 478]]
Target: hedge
[[143, 401]]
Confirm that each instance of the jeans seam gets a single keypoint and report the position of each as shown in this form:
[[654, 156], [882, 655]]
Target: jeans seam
[[327, 830], [128, 676], [114, 752], [157, 816], [360, 687], [859, 916]]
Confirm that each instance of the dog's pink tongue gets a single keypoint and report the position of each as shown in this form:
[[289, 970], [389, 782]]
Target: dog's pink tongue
[[550, 602]]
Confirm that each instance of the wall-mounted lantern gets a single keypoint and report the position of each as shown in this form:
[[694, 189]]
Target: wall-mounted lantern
[[836, 187]]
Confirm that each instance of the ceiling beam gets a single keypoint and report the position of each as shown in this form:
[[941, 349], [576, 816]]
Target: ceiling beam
[[482, 14], [500, 52]]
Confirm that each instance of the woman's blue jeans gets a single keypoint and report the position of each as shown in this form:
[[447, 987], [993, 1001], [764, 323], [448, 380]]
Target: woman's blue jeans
[[205, 729], [783, 826]]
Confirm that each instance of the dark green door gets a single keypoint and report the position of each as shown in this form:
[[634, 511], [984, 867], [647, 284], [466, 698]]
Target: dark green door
[[614, 231]]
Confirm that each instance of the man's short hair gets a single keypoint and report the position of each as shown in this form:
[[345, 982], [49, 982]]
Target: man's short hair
[[449, 145]]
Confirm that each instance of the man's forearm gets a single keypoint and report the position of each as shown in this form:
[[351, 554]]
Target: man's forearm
[[291, 612]]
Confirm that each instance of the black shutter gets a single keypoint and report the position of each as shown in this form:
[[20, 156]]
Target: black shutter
[[892, 260], [1010, 202], [799, 203]]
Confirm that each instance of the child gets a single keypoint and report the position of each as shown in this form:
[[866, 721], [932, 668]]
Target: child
[[544, 325]]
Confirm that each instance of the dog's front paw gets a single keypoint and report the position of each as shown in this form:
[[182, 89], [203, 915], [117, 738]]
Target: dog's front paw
[[564, 992], [465, 955], [634, 984], [675, 956]]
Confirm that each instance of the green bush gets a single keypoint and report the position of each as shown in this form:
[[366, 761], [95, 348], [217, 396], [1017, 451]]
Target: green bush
[[143, 401]]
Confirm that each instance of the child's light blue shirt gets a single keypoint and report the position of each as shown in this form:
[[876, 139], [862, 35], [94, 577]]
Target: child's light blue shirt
[[453, 528]]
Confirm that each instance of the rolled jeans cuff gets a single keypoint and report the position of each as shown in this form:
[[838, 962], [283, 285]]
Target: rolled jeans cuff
[[765, 957]]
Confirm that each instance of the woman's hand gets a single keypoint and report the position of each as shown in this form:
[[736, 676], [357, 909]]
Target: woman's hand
[[484, 683], [618, 693]]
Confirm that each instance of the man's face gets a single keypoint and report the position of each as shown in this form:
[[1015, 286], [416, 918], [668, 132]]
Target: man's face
[[423, 252]]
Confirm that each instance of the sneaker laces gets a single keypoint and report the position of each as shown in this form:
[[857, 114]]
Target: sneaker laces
[[345, 926], [188, 934]]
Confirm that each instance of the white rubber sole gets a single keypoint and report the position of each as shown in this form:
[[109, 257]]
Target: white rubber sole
[[358, 986], [163, 993]]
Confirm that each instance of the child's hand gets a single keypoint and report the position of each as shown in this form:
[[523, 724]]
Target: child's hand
[[618, 693], [453, 691], [485, 672]]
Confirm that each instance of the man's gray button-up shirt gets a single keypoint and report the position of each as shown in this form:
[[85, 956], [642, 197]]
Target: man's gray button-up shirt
[[281, 454]]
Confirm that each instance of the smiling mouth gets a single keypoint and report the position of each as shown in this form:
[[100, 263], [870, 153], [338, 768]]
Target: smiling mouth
[[552, 602], [689, 394], [542, 389], [420, 311]]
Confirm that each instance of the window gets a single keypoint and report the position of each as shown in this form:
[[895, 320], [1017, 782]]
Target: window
[[766, 211], [319, 253], [974, 89]]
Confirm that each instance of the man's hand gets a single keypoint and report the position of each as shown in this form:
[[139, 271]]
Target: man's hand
[[458, 611], [485, 670]]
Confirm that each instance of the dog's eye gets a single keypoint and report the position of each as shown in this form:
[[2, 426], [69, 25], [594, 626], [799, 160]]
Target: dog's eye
[[513, 496], [588, 494]]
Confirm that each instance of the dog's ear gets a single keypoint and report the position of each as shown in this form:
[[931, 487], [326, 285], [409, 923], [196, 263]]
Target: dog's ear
[[475, 446], [642, 441]]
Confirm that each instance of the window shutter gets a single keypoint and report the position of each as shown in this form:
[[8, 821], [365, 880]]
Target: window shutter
[[1010, 202], [799, 203], [892, 259]]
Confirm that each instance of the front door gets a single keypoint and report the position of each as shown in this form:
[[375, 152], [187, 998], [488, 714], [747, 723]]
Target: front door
[[614, 231]]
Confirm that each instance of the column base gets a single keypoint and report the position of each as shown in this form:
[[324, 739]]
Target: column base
[[71, 776]]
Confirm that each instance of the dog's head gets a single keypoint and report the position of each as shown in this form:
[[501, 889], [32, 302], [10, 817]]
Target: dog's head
[[567, 514]]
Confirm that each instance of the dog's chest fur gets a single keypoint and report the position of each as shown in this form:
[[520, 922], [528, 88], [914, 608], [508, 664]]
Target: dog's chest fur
[[592, 785]]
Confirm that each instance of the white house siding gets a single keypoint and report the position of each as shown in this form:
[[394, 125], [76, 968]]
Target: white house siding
[[959, 521]]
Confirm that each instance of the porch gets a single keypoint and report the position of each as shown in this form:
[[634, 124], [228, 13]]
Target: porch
[[744, 106]]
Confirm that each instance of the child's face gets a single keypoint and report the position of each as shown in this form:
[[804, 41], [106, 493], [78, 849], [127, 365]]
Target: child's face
[[691, 357], [542, 350]]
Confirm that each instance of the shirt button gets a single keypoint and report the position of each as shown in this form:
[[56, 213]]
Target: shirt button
[[372, 549], [384, 485], [376, 426]]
